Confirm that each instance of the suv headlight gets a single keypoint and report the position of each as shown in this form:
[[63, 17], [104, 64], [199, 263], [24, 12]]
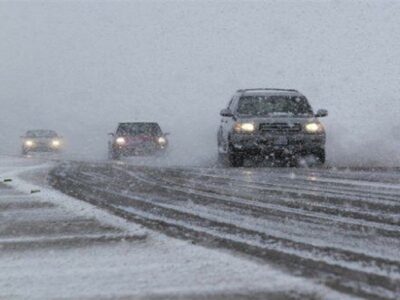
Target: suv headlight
[[314, 127], [244, 127]]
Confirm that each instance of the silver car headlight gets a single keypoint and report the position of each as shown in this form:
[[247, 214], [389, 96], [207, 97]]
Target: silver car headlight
[[56, 143], [29, 143]]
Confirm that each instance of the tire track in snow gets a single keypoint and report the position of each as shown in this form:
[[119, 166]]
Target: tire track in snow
[[340, 268]]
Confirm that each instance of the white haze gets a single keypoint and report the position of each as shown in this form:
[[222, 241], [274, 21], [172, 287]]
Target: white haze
[[81, 67]]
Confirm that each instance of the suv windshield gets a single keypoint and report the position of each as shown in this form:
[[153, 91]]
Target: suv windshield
[[41, 134], [133, 129], [275, 104]]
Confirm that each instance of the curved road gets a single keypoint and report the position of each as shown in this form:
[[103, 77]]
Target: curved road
[[341, 227]]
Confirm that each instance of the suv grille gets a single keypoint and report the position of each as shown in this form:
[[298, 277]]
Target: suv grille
[[280, 127]]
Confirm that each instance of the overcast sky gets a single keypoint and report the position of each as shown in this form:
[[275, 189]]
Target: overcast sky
[[82, 66]]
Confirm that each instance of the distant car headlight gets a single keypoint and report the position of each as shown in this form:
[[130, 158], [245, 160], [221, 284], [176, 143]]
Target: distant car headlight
[[244, 127], [120, 141], [314, 127], [29, 143], [162, 141], [56, 143]]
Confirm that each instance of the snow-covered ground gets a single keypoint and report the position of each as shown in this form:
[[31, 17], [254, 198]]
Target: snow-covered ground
[[54, 246], [341, 226]]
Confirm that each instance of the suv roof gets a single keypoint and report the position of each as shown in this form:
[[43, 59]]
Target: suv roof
[[266, 89], [142, 122]]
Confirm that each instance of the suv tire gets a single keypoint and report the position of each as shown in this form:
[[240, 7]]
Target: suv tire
[[235, 160], [320, 154]]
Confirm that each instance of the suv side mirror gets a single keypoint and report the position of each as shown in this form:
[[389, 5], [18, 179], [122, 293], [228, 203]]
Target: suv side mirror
[[226, 113], [321, 113], [166, 133], [111, 133]]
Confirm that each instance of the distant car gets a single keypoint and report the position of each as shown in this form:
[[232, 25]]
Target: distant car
[[41, 141], [137, 138], [270, 123]]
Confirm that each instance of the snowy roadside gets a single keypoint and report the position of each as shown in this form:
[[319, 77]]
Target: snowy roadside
[[33, 178], [55, 246]]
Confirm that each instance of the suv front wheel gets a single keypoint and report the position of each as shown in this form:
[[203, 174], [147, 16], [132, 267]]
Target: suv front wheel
[[320, 154], [235, 159], [230, 159]]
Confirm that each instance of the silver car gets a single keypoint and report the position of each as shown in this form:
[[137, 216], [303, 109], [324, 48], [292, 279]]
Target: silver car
[[270, 123], [41, 141]]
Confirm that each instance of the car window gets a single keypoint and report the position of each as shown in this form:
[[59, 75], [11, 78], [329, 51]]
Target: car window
[[273, 104], [139, 129], [41, 133]]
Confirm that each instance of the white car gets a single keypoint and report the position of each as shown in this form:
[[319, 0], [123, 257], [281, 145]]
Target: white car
[[41, 141]]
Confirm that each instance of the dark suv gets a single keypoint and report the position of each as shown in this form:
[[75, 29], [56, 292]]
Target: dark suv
[[270, 123], [137, 138]]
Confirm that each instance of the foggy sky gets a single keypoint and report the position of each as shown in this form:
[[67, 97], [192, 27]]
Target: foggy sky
[[82, 66]]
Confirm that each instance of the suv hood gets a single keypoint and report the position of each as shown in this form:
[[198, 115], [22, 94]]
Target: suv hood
[[277, 119]]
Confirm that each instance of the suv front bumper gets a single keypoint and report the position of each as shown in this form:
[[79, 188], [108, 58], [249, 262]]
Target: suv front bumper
[[266, 144]]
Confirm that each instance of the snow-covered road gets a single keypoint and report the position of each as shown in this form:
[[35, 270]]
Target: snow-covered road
[[55, 246], [340, 226]]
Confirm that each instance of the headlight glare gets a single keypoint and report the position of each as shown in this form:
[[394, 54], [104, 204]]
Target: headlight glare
[[120, 141], [161, 140], [314, 127], [244, 127], [55, 143], [29, 143]]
